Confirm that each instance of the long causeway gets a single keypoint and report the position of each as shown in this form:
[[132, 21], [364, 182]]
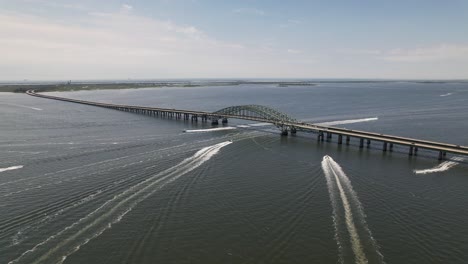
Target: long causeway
[[285, 123]]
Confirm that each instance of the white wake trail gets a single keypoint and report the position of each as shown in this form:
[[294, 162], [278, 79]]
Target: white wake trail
[[444, 166], [447, 94], [260, 124], [11, 168], [334, 202], [59, 246], [328, 165], [350, 121], [363, 244], [208, 129], [23, 106]]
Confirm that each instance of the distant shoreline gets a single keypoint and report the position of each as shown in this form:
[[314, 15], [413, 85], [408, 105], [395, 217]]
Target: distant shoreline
[[69, 87], [117, 85]]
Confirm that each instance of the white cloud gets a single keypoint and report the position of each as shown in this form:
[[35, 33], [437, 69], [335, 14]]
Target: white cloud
[[426, 54], [249, 11], [55, 4], [122, 44], [294, 21], [442, 52], [126, 8], [294, 51], [290, 23], [359, 51]]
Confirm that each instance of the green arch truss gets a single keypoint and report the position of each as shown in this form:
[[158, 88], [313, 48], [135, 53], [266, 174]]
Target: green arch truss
[[257, 111]]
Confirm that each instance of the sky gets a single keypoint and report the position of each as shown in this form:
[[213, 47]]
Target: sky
[[170, 39]]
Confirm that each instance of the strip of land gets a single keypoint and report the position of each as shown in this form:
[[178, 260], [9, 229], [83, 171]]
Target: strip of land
[[65, 87]]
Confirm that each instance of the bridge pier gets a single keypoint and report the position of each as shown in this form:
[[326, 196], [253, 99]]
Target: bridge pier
[[368, 143], [361, 143], [384, 147], [340, 139], [442, 155], [293, 130], [329, 136], [320, 136], [347, 140], [411, 149], [390, 147], [214, 121], [284, 131], [415, 151], [224, 121]]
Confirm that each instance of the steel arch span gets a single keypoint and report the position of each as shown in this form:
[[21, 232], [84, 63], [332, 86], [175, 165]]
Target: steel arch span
[[257, 111]]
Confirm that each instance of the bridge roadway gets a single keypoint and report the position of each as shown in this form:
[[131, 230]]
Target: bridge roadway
[[364, 137]]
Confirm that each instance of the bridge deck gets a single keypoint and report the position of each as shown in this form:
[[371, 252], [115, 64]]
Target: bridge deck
[[411, 142]]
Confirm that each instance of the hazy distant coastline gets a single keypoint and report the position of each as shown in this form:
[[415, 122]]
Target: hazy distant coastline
[[63, 87], [21, 87]]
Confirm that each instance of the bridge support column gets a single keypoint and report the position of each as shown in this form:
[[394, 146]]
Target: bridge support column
[[361, 143], [368, 143], [224, 121], [442, 155], [284, 131], [214, 121], [329, 136], [347, 140], [340, 139], [390, 147], [411, 149], [415, 151], [320, 136], [293, 130], [384, 147]]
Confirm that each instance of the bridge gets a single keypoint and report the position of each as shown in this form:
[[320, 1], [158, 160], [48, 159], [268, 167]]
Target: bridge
[[284, 122]]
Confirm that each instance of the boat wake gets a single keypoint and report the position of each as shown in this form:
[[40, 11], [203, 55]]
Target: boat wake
[[447, 94], [209, 129], [11, 168], [57, 247], [444, 166], [349, 218], [350, 121], [23, 106], [259, 124]]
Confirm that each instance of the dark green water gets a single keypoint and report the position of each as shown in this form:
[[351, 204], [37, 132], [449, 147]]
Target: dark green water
[[103, 186]]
